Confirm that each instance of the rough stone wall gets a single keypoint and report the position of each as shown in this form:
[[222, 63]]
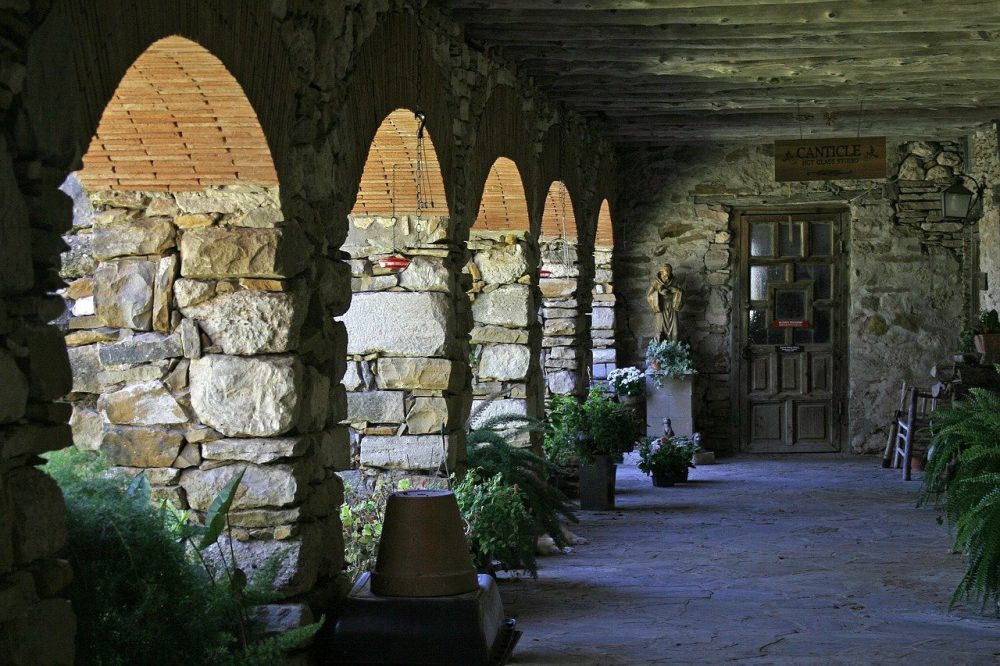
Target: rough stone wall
[[321, 78], [181, 322], [563, 355], [602, 321], [675, 205], [504, 336], [986, 163]]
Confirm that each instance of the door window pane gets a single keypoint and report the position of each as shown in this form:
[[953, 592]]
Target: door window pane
[[790, 239], [761, 277], [818, 274], [789, 304], [820, 239], [821, 326], [802, 336], [760, 240]]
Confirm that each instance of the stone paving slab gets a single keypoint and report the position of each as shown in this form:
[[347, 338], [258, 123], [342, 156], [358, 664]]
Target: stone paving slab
[[765, 560]]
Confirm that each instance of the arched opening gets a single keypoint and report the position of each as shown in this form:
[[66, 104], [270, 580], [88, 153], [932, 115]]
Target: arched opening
[[602, 322], [562, 355], [503, 259], [185, 304], [400, 324]]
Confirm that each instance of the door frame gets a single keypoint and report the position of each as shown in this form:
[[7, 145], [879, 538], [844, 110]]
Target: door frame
[[841, 288]]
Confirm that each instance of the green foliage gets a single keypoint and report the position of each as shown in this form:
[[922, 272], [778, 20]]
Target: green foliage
[[963, 476], [362, 515], [605, 427], [489, 451], [989, 322], [671, 456], [134, 592], [673, 358], [967, 341], [564, 416], [136, 589], [501, 526]]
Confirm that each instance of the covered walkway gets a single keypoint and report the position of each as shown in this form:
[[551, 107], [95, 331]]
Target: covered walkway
[[777, 560]]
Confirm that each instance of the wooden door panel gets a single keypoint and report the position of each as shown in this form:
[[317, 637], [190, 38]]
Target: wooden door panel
[[820, 372], [767, 425], [812, 426], [791, 373], [760, 375]]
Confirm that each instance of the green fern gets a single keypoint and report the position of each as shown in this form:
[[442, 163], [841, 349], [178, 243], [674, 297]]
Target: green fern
[[963, 477], [489, 450]]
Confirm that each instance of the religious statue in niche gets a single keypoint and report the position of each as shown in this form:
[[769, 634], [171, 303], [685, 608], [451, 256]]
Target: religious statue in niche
[[665, 298]]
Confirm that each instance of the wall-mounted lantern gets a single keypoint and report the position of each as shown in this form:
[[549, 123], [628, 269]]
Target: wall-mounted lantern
[[957, 201]]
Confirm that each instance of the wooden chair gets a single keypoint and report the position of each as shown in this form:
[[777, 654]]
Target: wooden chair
[[913, 424]]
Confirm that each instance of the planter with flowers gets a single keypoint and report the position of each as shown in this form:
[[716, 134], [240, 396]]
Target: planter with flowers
[[667, 459], [669, 386], [629, 384]]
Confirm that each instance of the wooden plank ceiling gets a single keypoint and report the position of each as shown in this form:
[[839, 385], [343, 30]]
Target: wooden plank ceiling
[[668, 71]]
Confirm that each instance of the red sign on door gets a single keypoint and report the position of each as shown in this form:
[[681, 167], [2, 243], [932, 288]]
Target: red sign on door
[[790, 323]]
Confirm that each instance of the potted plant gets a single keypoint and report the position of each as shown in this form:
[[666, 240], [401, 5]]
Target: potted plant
[[605, 429], [967, 346], [669, 359], [987, 338], [562, 422], [628, 384], [667, 459]]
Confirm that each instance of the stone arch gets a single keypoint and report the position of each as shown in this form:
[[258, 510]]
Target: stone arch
[[73, 65], [559, 218], [603, 298], [178, 121], [400, 326], [503, 132], [395, 68], [99, 60], [604, 238], [503, 204], [390, 183]]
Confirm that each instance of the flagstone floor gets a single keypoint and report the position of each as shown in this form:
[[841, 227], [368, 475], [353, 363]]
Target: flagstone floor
[[774, 560]]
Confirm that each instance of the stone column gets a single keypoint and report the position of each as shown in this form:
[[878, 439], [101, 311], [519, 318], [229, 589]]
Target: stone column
[[186, 339], [402, 378], [602, 322], [504, 380], [560, 315]]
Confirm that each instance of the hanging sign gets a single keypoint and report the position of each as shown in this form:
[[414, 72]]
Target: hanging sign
[[790, 323], [829, 159]]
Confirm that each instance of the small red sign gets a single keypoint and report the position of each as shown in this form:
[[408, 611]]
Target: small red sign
[[790, 323]]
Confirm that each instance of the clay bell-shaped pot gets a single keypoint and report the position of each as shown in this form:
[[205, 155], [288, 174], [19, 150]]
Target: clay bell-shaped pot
[[423, 552]]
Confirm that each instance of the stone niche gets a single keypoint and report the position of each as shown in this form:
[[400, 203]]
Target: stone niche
[[183, 322], [562, 352], [403, 383], [504, 316]]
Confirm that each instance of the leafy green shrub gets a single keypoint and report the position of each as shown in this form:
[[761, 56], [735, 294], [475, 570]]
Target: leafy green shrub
[[137, 592], [134, 592], [489, 451], [563, 418], [989, 322], [605, 426], [963, 476], [501, 527]]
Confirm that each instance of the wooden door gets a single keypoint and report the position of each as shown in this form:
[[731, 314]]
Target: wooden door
[[790, 334]]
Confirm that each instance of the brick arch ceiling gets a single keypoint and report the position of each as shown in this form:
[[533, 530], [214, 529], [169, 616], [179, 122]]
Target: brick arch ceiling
[[605, 237], [558, 218], [178, 121], [504, 206], [389, 180]]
